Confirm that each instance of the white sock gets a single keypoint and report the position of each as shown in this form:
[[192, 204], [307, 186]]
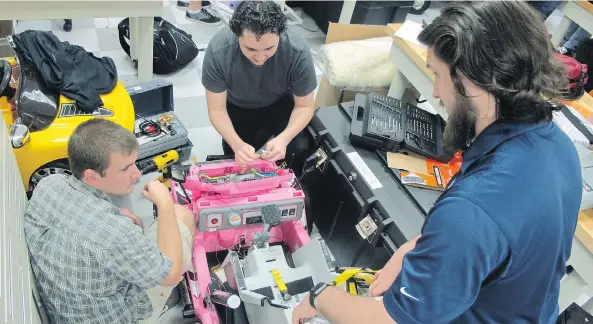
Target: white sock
[[194, 11]]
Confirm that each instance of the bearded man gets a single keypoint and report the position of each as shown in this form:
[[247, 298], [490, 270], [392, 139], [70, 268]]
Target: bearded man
[[495, 244]]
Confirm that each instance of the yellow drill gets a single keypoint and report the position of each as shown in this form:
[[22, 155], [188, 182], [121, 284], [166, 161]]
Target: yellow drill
[[160, 163]]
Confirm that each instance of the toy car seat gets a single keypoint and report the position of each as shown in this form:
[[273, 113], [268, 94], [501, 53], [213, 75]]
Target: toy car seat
[[5, 73], [38, 104]]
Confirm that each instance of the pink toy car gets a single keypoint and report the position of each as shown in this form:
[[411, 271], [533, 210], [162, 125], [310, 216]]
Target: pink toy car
[[236, 206]]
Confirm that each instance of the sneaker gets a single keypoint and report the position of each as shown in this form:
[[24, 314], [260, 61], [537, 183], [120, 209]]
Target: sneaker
[[565, 51], [203, 16], [183, 5]]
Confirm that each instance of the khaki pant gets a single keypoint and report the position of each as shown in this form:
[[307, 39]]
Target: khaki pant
[[160, 294]]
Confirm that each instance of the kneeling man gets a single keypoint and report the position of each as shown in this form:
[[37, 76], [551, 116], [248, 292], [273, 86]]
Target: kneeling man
[[91, 260]]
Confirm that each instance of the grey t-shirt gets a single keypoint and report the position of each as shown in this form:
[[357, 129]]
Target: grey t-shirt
[[289, 71]]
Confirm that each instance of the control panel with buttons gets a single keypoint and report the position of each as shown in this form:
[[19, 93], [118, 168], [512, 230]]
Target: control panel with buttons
[[238, 216], [214, 220]]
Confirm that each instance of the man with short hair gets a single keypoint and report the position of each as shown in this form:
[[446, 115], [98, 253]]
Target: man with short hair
[[259, 78], [92, 262], [495, 244]]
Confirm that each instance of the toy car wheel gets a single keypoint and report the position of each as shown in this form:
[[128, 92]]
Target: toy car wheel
[[419, 7], [56, 167]]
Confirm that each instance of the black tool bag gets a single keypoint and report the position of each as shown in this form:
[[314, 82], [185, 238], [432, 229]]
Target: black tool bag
[[173, 47]]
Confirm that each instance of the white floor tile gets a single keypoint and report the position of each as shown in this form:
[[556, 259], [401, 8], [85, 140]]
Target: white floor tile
[[178, 14], [201, 34], [108, 22], [128, 79], [206, 142], [200, 59], [122, 61], [168, 14], [22, 25], [101, 23], [108, 39], [186, 83], [193, 111], [87, 38]]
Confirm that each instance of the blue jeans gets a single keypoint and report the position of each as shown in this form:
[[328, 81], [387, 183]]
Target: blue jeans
[[545, 7], [574, 36]]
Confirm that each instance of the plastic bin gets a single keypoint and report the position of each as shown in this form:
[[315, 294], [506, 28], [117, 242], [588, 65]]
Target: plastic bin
[[365, 12], [380, 12]]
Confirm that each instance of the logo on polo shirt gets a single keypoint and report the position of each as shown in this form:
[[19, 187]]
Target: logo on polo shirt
[[403, 291]]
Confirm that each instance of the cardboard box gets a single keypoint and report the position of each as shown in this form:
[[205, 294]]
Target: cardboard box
[[328, 95], [421, 172]]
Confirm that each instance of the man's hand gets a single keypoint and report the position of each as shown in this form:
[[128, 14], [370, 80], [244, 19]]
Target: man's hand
[[384, 278], [157, 192], [276, 149], [303, 311], [133, 217], [244, 153]]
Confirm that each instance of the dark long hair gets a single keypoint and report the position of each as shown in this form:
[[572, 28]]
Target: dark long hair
[[504, 48]]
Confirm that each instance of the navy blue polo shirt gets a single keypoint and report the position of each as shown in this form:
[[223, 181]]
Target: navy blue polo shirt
[[494, 246]]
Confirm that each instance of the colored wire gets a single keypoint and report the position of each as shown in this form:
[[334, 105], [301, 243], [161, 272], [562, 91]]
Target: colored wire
[[149, 127], [227, 177]]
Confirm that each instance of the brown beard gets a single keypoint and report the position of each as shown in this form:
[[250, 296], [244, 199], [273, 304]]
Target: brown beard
[[460, 128]]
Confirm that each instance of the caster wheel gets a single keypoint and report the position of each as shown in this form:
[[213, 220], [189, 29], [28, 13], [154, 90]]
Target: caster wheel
[[419, 7], [67, 25]]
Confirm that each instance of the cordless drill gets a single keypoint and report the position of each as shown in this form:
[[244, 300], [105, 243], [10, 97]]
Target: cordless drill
[[159, 163]]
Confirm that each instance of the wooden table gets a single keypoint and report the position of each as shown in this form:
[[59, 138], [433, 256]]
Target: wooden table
[[410, 60], [141, 13], [580, 12]]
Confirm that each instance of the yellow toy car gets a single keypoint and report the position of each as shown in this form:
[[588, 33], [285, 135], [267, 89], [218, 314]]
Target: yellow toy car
[[41, 120]]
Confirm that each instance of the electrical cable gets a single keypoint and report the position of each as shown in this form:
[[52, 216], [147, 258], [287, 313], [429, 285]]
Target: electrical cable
[[302, 25], [149, 127], [251, 174], [184, 192]]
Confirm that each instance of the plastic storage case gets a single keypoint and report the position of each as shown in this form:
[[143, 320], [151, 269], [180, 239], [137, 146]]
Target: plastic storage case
[[152, 100]]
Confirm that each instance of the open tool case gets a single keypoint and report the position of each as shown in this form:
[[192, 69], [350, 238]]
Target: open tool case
[[153, 101]]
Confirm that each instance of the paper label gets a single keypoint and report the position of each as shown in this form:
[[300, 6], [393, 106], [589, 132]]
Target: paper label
[[413, 179], [364, 170], [437, 175], [409, 31], [220, 274]]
